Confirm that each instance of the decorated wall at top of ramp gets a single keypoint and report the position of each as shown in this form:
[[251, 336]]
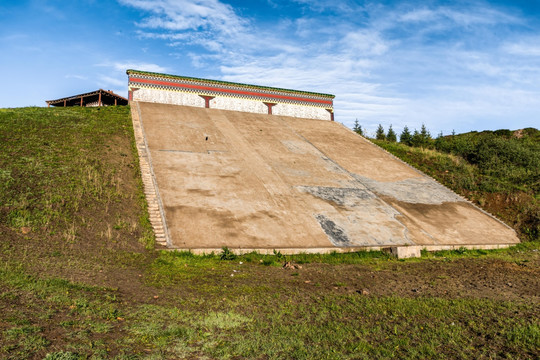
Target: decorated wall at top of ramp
[[181, 90]]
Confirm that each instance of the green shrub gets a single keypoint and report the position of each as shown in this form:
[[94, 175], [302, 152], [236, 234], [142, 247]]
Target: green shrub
[[227, 254]]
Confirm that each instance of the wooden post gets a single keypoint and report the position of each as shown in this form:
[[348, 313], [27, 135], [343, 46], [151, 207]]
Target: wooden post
[[131, 91], [207, 100], [115, 101], [81, 101], [64, 103], [99, 99], [331, 111], [269, 105]]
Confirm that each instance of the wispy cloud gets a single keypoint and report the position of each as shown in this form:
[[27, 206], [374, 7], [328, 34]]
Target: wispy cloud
[[14, 37], [364, 43], [123, 66], [78, 77], [109, 81], [206, 22], [400, 63], [460, 16], [524, 48], [113, 76]]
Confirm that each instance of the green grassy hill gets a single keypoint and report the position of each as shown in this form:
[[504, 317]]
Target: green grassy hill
[[80, 277]]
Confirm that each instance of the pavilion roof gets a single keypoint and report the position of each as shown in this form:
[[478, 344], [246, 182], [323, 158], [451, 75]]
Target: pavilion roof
[[107, 98]]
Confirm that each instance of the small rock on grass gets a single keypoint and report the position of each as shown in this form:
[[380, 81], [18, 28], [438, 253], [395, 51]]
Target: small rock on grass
[[290, 265]]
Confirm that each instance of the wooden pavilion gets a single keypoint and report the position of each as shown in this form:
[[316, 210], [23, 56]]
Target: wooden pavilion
[[95, 98]]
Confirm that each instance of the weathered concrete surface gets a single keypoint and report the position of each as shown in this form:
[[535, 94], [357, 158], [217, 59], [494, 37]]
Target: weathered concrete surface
[[251, 181]]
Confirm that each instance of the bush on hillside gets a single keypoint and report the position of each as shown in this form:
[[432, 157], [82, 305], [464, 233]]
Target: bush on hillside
[[507, 163]]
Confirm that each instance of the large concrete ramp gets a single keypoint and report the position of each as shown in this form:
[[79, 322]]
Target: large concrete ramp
[[261, 182]]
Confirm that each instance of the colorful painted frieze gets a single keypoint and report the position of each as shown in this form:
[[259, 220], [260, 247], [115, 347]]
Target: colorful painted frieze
[[181, 90]]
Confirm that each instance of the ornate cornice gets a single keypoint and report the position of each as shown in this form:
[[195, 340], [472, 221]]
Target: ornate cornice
[[227, 89]]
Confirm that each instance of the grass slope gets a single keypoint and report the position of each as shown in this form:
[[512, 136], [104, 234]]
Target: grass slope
[[79, 278]]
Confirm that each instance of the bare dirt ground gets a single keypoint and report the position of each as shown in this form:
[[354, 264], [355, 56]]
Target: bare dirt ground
[[510, 278]]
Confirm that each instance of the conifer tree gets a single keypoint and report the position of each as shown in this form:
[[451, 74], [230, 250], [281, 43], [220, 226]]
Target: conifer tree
[[405, 137], [379, 135], [425, 136], [416, 139], [391, 135], [358, 128], [439, 140]]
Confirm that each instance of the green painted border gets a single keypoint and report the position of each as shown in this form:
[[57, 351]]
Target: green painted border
[[219, 82]]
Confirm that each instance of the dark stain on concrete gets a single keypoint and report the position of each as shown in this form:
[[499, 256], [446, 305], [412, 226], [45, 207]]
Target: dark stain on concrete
[[338, 195], [201, 192], [336, 234], [447, 214]]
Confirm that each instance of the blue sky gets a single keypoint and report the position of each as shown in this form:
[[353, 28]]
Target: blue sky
[[452, 65]]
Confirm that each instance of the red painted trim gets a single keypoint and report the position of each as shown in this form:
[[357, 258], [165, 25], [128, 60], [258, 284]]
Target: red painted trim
[[229, 91], [331, 114], [269, 105], [207, 100], [130, 93]]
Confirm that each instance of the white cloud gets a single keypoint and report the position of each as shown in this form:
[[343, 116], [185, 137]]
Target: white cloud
[[418, 15], [462, 16], [468, 105], [14, 37], [478, 15], [123, 66], [522, 48], [114, 76], [181, 15], [328, 5], [110, 81], [364, 43], [78, 77], [485, 68], [395, 64]]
